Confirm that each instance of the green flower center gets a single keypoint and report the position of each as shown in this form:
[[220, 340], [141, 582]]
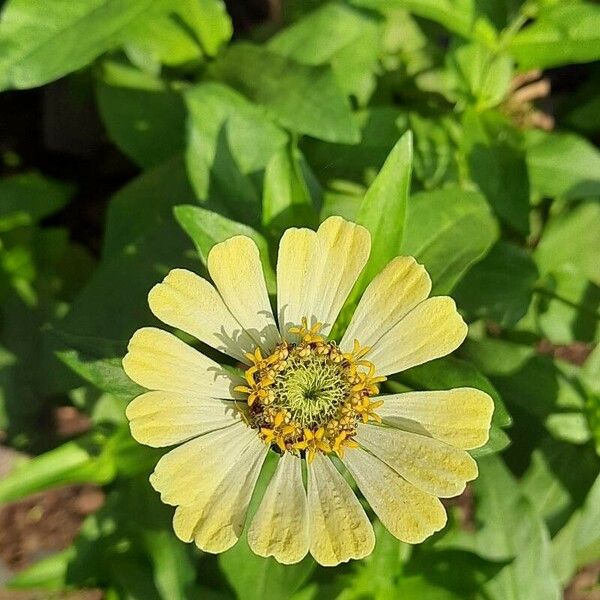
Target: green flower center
[[311, 389]]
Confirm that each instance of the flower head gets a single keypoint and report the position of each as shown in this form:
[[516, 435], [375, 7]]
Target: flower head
[[304, 397]]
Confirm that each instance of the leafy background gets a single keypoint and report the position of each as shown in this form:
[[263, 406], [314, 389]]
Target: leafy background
[[138, 133]]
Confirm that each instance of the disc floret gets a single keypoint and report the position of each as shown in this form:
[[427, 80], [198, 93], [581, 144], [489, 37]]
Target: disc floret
[[309, 396]]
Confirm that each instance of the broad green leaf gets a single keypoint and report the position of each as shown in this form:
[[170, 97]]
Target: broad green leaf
[[98, 361], [448, 231], [480, 77], [435, 150], [229, 139], [562, 165], [150, 198], [572, 238], [380, 127], [305, 99], [508, 529], [199, 26], [383, 210], [87, 460], [287, 200], [42, 41], [541, 389], [497, 165], [568, 32], [147, 122], [336, 34], [207, 228], [138, 252], [458, 16], [566, 306], [558, 478], [500, 287], [48, 573], [28, 198]]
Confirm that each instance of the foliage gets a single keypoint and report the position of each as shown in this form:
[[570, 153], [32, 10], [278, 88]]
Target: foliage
[[404, 115]]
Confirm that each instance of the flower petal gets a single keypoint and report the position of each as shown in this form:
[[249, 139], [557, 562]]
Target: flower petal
[[431, 330], [158, 360], [408, 513], [160, 419], [222, 518], [294, 276], [235, 267], [191, 472], [427, 463], [329, 264], [212, 479], [280, 526], [402, 285], [192, 304], [338, 526], [460, 417]]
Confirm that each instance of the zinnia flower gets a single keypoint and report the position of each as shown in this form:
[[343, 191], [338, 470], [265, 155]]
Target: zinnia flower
[[304, 397]]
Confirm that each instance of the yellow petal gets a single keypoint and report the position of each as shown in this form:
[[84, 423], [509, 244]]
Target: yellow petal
[[158, 360], [198, 466], [402, 285], [338, 526], [215, 517], [235, 267], [294, 276], [431, 465], [460, 417], [408, 513], [190, 303], [328, 264], [160, 419], [223, 516], [431, 330], [280, 526]]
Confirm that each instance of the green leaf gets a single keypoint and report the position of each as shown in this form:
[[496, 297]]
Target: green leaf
[[98, 361], [305, 99], [147, 122], [568, 32], [29, 197], [230, 138], [87, 460], [480, 77], [44, 41], [497, 165], [535, 386], [448, 231], [287, 200], [562, 165], [383, 210], [500, 287], [571, 238], [566, 307], [509, 529], [458, 16], [182, 35], [207, 228], [138, 252], [336, 34]]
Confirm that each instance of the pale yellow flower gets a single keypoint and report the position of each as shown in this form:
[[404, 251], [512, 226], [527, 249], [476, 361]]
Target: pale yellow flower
[[305, 398]]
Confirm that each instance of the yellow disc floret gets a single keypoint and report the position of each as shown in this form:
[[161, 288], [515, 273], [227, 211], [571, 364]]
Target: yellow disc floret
[[308, 397]]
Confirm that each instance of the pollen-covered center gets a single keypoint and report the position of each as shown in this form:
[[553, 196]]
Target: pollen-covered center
[[309, 396]]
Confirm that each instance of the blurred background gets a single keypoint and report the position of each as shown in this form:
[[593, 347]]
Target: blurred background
[[135, 134]]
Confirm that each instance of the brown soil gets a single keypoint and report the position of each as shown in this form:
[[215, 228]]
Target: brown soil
[[575, 353], [44, 523], [584, 586]]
